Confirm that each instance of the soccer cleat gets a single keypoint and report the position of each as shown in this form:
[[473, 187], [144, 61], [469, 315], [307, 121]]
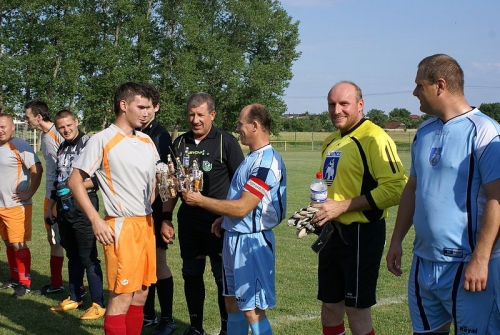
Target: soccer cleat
[[166, 326], [11, 283], [94, 312], [49, 289], [149, 322], [193, 331], [66, 305], [21, 290]]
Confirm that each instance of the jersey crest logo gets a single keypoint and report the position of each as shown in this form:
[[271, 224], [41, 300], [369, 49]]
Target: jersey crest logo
[[330, 166], [206, 166], [435, 156]]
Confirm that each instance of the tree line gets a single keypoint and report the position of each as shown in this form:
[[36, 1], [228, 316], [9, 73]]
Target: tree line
[[74, 53], [321, 122]]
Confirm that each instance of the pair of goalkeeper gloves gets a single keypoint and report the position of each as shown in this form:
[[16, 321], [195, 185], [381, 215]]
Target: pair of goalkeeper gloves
[[301, 220]]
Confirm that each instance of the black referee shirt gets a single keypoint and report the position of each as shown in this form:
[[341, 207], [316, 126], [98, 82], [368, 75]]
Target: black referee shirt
[[219, 155]]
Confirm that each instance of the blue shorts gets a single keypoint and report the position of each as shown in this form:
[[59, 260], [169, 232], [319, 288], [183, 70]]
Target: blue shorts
[[249, 274], [436, 296]]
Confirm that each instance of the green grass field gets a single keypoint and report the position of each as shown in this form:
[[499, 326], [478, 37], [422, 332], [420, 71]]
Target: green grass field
[[297, 310]]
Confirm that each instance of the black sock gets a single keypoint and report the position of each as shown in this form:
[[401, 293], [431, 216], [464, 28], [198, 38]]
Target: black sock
[[194, 290], [149, 306], [165, 289], [94, 277]]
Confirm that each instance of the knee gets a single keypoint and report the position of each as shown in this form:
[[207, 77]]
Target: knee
[[193, 267]]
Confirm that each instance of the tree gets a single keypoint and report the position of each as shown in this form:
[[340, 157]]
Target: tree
[[74, 53], [378, 117], [491, 109], [400, 115]]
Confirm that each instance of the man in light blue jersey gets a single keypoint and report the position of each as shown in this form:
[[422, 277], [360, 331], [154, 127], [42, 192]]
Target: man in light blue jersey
[[453, 200], [255, 204]]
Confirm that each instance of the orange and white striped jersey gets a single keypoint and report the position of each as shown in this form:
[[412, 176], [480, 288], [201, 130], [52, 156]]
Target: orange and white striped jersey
[[16, 158], [125, 167], [50, 142]]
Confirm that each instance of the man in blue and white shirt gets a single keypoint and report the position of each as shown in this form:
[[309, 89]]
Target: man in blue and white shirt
[[452, 198], [255, 204]]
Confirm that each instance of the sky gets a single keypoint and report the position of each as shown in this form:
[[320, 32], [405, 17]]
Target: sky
[[378, 44]]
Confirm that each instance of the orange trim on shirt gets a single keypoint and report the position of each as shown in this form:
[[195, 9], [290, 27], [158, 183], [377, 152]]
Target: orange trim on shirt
[[105, 162]]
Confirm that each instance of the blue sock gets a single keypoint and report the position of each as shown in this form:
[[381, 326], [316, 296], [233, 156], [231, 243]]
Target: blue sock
[[262, 327], [237, 324]]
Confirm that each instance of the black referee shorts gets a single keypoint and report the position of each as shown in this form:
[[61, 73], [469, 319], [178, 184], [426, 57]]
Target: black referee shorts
[[349, 264]]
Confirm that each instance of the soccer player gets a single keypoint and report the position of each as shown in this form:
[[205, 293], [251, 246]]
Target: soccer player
[[452, 199], [124, 162], [368, 178], [218, 154], [77, 237], [165, 282], [255, 204], [21, 173], [37, 115]]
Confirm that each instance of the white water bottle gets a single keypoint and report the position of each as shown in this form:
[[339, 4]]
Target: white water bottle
[[319, 189]]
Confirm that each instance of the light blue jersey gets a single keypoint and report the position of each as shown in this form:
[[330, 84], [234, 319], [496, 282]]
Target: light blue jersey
[[451, 162], [263, 174]]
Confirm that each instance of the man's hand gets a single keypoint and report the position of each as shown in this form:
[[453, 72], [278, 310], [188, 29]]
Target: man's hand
[[328, 210], [192, 198], [476, 275], [217, 226], [21, 196], [393, 259], [103, 232], [167, 231]]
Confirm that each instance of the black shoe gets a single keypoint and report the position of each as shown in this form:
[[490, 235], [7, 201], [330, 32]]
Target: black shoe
[[166, 326], [48, 289], [193, 331], [21, 290], [148, 322], [223, 332], [11, 283]]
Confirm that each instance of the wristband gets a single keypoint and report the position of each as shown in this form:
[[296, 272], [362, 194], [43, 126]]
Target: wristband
[[166, 216]]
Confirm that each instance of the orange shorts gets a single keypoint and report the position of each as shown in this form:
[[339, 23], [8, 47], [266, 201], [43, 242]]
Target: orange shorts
[[54, 211], [15, 223], [131, 260]]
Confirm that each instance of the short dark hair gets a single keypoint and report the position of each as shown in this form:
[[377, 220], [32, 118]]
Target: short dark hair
[[39, 107], [155, 95], [199, 98], [443, 66], [64, 113], [128, 91], [260, 113]]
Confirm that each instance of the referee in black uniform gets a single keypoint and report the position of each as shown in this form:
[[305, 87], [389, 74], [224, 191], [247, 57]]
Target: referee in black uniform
[[218, 154]]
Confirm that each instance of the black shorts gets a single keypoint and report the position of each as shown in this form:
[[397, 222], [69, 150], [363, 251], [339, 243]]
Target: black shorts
[[349, 264], [157, 221], [195, 239]]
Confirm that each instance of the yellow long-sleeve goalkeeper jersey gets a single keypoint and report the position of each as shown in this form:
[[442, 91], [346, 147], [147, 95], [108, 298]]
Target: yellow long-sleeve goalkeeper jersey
[[363, 161]]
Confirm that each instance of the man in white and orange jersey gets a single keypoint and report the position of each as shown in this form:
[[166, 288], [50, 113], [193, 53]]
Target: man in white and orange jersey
[[37, 115], [21, 173], [124, 162]]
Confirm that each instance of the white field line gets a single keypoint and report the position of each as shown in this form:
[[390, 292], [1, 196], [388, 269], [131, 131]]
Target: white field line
[[311, 315]]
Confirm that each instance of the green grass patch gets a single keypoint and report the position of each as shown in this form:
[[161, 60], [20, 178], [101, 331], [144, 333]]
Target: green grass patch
[[297, 310]]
